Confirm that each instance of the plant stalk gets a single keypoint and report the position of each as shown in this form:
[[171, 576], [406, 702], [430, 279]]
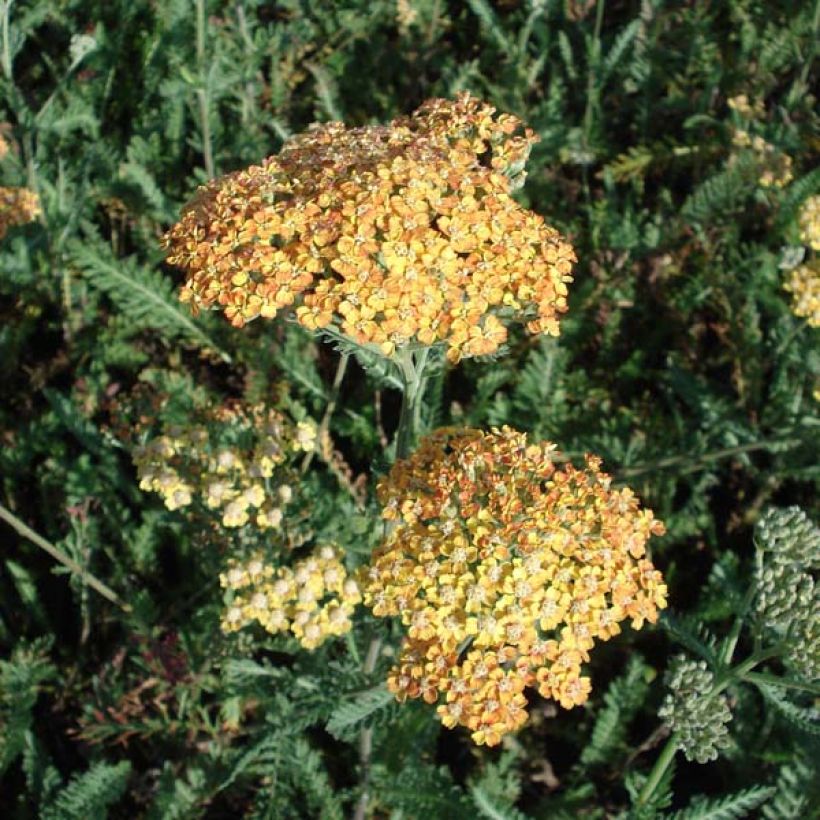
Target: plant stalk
[[202, 92], [58, 555], [411, 366]]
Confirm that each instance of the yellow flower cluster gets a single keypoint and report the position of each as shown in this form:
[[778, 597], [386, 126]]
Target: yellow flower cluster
[[314, 599], [746, 109], [810, 223], [775, 166], [505, 569], [804, 285], [391, 235], [17, 206], [236, 462]]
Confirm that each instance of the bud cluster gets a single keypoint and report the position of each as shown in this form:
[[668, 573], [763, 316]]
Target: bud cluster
[[692, 710], [787, 602]]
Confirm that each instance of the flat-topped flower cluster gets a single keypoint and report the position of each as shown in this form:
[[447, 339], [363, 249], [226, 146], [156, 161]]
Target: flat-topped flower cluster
[[505, 568], [396, 235], [313, 600], [235, 461]]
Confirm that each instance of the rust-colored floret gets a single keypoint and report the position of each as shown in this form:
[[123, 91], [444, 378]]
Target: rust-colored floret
[[505, 569], [396, 235]]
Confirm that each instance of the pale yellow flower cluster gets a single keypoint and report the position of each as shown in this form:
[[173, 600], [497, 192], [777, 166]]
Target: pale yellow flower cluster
[[505, 569], [396, 235], [236, 462], [17, 206], [746, 109], [775, 167], [804, 285], [313, 600], [810, 223]]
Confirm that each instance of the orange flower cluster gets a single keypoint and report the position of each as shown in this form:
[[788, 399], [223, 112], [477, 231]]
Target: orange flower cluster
[[393, 236], [236, 462], [505, 569], [17, 206], [314, 599]]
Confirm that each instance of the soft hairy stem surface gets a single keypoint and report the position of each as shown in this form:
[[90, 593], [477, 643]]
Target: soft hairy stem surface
[[412, 365]]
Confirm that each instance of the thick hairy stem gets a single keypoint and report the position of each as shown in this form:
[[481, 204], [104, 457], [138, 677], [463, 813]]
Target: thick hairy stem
[[412, 372]]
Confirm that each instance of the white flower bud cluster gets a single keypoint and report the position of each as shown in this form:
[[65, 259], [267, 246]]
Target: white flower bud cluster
[[691, 710], [787, 601]]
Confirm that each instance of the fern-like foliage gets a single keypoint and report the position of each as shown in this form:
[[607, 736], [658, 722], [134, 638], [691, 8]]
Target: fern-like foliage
[[21, 679], [145, 295], [357, 709], [727, 807], [621, 701], [90, 794]]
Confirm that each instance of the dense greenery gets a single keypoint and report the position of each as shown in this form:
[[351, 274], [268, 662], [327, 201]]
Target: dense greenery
[[680, 363]]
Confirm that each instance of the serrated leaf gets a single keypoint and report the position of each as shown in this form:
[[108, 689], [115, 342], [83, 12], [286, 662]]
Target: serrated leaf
[[356, 709]]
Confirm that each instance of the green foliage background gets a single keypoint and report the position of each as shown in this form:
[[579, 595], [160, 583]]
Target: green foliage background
[[679, 363]]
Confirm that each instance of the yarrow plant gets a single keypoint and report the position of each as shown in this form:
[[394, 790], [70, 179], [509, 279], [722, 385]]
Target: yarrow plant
[[235, 461], [505, 568], [393, 236], [804, 281], [314, 599]]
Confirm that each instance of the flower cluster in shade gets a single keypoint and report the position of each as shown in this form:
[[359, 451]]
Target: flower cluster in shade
[[773, 166], [804, 285], [809, 219], [313, 600], [396, 235], [505, 569], [17, 206], [235, 461], [803, 281]]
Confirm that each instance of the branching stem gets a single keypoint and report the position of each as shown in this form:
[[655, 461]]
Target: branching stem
[[723, 681]]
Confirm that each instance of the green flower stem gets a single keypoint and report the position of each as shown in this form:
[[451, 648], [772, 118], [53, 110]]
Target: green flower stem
[[38, 540], [411, 366], [202, 92], [333, 400], [727, 678]]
